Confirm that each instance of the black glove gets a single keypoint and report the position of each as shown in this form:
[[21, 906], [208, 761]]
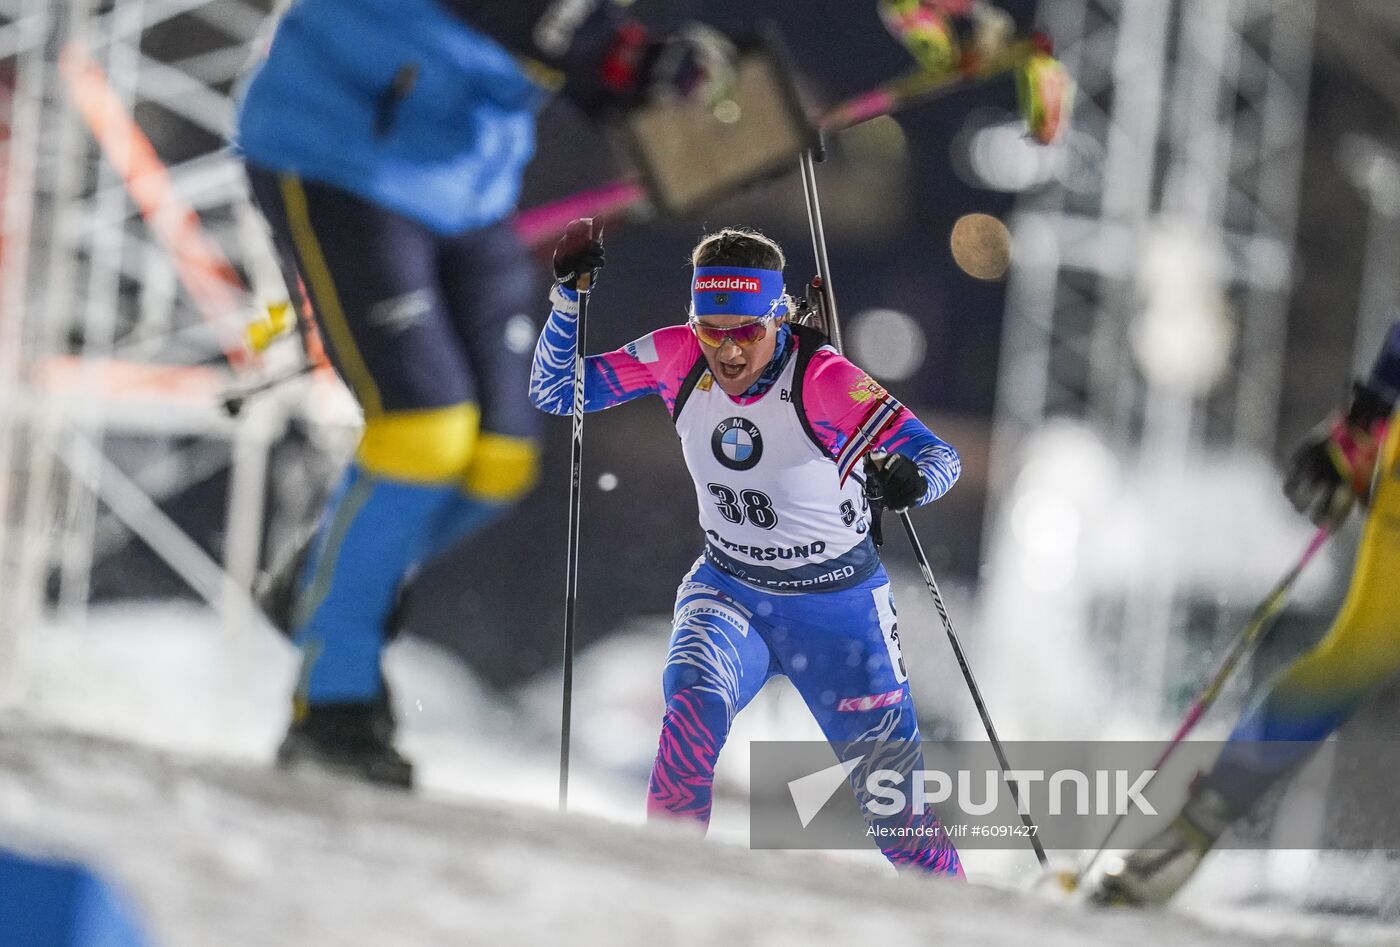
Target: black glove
[[894, 482], [1333, 467], [1314, 484], [579, 251]]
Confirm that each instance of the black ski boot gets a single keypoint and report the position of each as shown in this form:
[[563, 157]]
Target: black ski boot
[[1162, 866], [353, 740]]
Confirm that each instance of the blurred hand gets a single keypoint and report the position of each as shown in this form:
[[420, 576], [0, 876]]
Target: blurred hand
[[579, 252], [1318, 485], [1334, 466]]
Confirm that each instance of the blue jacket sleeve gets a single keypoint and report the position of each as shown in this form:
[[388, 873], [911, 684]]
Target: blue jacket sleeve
[[608, 380], [937, 460]]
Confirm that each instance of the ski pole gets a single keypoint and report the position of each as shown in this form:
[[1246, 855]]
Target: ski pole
[[571, 567], [1253, 632], [809, 185], [814, 218], [972, 687]]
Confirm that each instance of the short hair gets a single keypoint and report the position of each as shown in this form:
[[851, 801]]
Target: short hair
[[739, 247]]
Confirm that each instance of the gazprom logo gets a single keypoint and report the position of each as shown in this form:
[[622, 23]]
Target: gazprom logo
[[728, 284]]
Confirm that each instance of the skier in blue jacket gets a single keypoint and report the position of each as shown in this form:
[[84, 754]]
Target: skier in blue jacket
[[385, 142]]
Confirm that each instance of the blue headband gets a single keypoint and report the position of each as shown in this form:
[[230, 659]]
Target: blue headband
[[735, 291]]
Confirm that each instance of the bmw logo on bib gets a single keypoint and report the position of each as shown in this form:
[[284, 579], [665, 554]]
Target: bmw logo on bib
[[737, 443]]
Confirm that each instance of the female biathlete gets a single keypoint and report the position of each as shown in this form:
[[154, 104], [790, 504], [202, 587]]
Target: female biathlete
[[773, 424]]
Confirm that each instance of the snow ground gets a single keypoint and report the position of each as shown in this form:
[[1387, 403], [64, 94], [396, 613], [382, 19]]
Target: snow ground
[[219, 850], [221, 853]]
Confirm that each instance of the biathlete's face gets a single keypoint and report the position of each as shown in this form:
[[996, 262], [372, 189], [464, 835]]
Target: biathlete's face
[[737, 348]]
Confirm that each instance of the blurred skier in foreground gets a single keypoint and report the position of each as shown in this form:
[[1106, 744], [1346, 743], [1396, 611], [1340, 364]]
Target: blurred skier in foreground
[[1354, 457], [773, 422], [955, 36], [385, 142]]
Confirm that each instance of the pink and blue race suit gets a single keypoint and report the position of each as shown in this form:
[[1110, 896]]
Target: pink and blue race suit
[[790, 581]]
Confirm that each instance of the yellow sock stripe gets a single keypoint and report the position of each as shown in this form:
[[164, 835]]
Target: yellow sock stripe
[[434, 445], [503, 468], [318, 278]]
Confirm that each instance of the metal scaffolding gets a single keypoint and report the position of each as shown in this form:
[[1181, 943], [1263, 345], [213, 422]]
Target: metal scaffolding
[[131, 266], [1196, 110], [1150, 290]]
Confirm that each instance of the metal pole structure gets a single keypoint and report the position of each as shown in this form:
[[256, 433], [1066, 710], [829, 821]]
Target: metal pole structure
[[571, 568], [809, 186], [1196, 113], [17, 221], [1375, 171]]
